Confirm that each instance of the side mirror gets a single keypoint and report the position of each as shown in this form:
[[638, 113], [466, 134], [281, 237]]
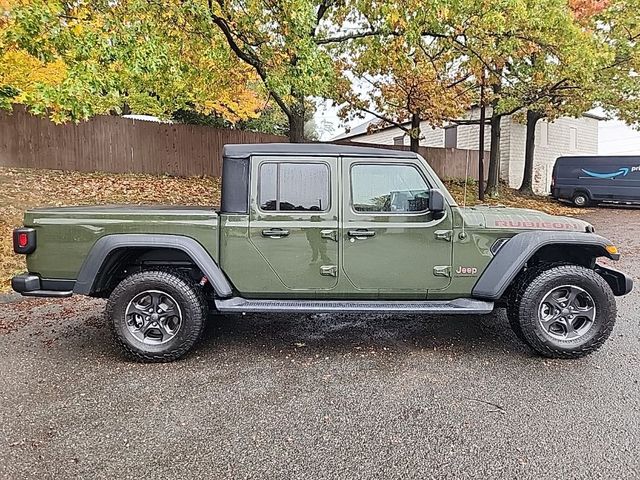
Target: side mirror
[[436, 200]]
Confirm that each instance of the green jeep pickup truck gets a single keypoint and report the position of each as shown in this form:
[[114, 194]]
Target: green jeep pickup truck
[[324, 228]]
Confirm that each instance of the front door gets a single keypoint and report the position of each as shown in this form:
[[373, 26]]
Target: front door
[[294, 220], [392, 244]]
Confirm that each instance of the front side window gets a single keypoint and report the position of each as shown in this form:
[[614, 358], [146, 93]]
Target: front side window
[[287, 187], [388, 188]]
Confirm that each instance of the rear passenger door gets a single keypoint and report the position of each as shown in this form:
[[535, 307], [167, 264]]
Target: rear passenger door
[[294, 219]]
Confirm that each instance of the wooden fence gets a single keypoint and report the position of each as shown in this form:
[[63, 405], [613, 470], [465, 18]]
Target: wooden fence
[[116, 144]]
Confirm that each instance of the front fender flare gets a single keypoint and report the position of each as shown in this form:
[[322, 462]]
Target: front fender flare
[[514, 254], [107, 244]]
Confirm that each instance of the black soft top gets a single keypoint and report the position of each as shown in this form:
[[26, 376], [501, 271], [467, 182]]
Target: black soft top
[[235, 165], [310, 149]]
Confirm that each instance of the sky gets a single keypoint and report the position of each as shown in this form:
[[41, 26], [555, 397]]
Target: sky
[[616, 138]]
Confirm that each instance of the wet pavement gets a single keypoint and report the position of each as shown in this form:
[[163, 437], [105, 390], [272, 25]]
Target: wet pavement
[[320, 396]]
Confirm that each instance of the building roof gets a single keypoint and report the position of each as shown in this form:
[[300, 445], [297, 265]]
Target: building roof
[[363, 128], [594, 116], [311, 149]]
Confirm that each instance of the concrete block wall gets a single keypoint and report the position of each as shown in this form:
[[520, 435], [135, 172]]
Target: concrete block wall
[[433, 137], [564, 136], [553, 140]]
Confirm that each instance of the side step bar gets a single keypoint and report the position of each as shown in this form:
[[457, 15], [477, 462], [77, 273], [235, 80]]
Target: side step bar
[[457, 306]]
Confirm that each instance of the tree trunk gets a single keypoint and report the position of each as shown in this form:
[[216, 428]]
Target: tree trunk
[[493, 179], [296, 116], [481, 145], [415, 132], [529, 150], [296, 127]]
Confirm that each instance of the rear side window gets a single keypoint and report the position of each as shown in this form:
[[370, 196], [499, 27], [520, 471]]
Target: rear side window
[[388, 188], [287, 187]]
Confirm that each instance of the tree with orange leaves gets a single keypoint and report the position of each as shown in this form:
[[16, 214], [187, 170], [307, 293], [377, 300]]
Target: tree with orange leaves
[[404, 84]]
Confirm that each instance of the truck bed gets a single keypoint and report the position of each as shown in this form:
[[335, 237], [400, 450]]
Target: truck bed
[[71, 231]]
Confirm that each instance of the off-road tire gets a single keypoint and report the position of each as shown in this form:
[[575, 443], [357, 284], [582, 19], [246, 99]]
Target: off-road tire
[[188, 296], [547, 280], [581, 200], [517, 290]]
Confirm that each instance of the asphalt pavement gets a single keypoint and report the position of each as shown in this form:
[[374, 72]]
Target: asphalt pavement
[[320, 396]]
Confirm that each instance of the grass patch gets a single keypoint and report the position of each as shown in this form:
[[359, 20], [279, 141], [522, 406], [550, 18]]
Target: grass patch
[[23, 188]]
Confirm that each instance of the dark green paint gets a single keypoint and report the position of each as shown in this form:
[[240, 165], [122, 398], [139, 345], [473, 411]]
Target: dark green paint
[[411, 256]]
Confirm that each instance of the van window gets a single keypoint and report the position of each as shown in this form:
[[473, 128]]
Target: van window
[[388, 188], [288, 186]]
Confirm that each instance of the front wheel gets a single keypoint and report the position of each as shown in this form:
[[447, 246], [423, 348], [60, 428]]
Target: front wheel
[[581, 200], [567, 312], [156, 316]]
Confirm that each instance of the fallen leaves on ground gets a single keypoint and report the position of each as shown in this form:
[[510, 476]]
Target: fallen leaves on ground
[[510, 197], [24, 188]]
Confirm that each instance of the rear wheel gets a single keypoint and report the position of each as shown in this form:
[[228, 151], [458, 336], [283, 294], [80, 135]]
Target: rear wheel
[[581, 199], [566, 311], [156, 316]]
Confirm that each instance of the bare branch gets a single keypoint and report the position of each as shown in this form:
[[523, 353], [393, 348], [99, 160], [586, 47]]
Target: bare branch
[[246, 57], [352, 36], [386, 119]]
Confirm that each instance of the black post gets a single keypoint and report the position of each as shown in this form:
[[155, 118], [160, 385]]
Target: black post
[[481, 145]]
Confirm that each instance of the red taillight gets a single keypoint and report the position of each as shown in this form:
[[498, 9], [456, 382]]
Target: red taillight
[[23, 239]]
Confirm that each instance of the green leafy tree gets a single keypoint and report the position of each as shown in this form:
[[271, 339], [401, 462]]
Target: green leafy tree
[[618, 26], [288, 43], [130, 55], [492, 40], [561, 79], [494, 37], [591, 61]]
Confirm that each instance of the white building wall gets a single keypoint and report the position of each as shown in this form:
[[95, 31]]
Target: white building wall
[[553, 140], [469, 135], [432, 137], [563, 137], [382, 137]]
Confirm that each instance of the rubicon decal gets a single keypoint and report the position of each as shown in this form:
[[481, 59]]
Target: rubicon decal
[[538, 225]]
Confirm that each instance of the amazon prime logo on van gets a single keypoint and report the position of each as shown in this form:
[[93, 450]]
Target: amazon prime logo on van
[[621, 172]]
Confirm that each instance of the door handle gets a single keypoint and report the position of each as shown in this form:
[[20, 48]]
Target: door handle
[[361, 233], [275, 233], [329, 234]]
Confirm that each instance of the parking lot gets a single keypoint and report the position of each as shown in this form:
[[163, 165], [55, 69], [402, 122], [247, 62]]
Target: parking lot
[[320, 396]]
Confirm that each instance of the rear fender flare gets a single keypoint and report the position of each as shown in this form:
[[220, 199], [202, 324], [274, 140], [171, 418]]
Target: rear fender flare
[[514, 254], [101, 250]]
